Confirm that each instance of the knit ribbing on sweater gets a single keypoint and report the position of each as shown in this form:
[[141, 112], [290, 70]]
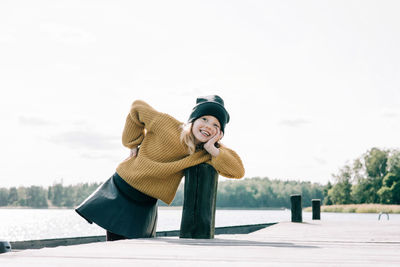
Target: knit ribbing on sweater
[[158, 167]]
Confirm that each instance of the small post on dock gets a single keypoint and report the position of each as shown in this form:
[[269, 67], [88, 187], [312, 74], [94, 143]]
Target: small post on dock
[[296, 208], [4, 246], [316, 209], [200, 193]]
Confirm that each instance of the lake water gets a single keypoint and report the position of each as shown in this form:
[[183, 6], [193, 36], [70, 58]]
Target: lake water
[[30, 224]]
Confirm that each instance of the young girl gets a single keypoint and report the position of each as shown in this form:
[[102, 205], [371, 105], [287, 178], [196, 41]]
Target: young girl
[[160, 149]]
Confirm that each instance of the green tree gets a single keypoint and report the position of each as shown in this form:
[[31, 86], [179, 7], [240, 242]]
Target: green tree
[[376, 163], [395, 188], [340, 193], [57, 194], [326, 197], [50, 195], [36, 197], [385, 195], [69, 196], [368, 172], [392, 179], [389, 193], [394, 163], [4, 196], [21, 196], [13, 196]]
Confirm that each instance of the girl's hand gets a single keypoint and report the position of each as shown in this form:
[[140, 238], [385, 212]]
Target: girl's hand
[[132, 153], [210, 147]]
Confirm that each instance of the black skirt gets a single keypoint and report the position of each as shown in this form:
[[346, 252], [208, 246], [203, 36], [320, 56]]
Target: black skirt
[[121, 209]]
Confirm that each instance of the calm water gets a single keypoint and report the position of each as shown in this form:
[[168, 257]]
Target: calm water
[[30, 224]]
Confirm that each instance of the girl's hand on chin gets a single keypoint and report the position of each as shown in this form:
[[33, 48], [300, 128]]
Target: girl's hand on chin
[[210, 147], [132, 153]]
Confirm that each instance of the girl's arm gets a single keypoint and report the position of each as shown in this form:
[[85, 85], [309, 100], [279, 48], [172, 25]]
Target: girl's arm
[[140, 117], [224, 160], [228, 163]]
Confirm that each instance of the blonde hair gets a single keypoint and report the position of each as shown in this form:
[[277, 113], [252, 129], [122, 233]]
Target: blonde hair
[[187, 137]]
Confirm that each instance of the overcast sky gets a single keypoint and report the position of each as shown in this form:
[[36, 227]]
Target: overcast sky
[[310, 85]]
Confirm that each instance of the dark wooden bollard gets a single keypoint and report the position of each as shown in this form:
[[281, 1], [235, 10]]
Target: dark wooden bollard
[[296, 208], [198, 214], [316, 209], [4, 246]]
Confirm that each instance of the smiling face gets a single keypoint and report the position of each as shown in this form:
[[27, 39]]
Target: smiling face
[[205, 128]]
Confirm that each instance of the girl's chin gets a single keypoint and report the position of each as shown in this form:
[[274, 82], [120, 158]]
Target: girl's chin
[[202, 140]]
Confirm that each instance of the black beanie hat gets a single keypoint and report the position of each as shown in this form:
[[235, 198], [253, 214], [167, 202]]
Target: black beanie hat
[[210, 105]]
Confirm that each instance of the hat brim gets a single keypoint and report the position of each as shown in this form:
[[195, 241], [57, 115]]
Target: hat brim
[[210, 108]]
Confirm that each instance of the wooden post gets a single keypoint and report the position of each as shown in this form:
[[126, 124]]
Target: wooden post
[[296, 208], [4, 246], [316, 209], [198, 214]]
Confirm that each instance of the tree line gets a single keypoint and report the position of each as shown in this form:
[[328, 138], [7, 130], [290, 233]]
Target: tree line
[[56, 195], [373, 177], [245, 193], [260, 193]]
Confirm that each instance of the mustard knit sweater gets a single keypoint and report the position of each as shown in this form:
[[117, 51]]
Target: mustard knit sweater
[[158, 168]]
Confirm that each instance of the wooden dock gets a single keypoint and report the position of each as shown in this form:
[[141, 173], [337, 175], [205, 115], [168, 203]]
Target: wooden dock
[[314, 243]]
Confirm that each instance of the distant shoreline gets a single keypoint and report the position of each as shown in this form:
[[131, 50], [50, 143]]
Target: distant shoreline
[[359, 208]]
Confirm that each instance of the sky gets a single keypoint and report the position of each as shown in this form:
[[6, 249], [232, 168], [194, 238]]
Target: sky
[[310, 85]]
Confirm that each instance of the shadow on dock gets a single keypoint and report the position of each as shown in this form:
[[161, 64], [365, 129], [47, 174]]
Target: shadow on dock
[[42, 243], [234, 243]]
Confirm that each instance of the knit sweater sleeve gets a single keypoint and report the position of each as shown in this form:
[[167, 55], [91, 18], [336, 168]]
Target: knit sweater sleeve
[[228, 163], [138, 121]]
